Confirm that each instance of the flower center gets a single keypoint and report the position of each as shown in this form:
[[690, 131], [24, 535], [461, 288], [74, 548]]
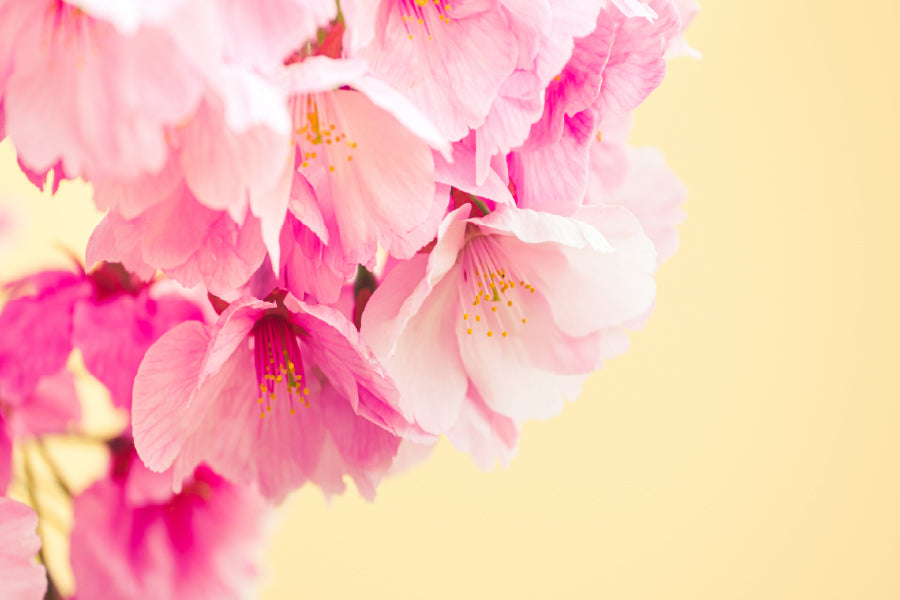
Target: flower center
[[319, 132], [278, 363], [493, 285], [421, 12]]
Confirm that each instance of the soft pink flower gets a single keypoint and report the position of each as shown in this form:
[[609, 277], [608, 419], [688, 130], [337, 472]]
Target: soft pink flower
[[646, 186], [325, 402], [450, 58], [20, 577], [509, 312], [77, 90], [360, 176], [134, 541], [365, 154], [146, 80]]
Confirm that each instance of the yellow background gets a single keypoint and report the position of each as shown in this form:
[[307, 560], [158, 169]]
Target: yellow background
[[746, 446]]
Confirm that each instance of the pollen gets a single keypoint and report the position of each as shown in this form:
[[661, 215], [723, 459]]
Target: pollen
[[279, 370], [493, 280], [319, 122], [418, 15]]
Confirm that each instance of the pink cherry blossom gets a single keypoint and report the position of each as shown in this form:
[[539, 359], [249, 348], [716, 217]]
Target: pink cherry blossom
[[109, 316], [37, 326], [514, 307], [203, 542], [193, 77], [128, 88], [546, 32], [325, 402], [366, 157], [450, 58], [611, 71], [636, 64], [20, 577], [186, 240]]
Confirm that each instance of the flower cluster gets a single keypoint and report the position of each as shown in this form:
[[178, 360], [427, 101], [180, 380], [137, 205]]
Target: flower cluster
[[330, 231]]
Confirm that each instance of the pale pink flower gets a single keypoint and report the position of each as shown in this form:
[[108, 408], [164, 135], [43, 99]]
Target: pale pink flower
[[365, 154], [146, 80], [450, 58], [509, 312], [274, 394], [134, 541], [646, 186], [78, 91], [360, 176], [183, 87], [20, 577]]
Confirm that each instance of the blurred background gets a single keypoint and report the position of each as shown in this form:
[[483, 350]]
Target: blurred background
[[746, 446]]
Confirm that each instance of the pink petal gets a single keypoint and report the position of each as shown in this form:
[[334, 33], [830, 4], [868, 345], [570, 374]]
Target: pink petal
[[264, 33], [6, 457], [382, 188], [461, 174], [278, 453], [553, 178], [124, 90], [652, 193], [483, 434], [51, 408], [424, 351], [455, 75], [20, 577], [636, 64], [402, 292], [167, 404], [37, 333], [365, 450], [309, 267], [510, 383]]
